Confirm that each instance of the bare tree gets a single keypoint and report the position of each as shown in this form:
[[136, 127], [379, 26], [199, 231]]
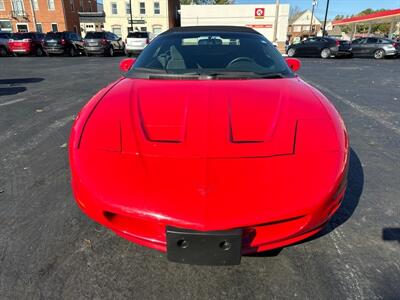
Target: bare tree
[[294, 13]]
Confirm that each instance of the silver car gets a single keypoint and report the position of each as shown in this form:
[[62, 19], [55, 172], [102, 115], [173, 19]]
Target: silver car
[[136, 41]]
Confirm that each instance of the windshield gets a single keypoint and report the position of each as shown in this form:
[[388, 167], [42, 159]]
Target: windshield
[[210, 55], [53, 36], [138, 35], [94, 35], [21, 36]]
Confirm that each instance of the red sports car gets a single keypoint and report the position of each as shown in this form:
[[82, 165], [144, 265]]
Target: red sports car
[[209, 147]]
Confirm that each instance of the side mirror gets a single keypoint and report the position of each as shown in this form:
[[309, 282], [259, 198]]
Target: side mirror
[[293, 63], [126, 64]]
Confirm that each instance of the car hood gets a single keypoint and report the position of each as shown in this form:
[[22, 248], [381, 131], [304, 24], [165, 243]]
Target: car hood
[[213, 118], [207, 154]]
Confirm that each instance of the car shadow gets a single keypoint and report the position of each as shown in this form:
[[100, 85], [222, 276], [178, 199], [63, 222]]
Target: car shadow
[[391, 234], [11, 85], [12, 90], [351, 199], [21, 80]]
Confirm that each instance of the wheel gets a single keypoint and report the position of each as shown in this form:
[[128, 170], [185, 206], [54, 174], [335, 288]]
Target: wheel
[[326, 53], [379, 54], [111, 52], [3, 51], [72, 52], [39, 51], [291, 52]]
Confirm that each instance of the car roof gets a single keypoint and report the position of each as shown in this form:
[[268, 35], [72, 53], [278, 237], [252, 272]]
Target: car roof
[[239, 29]]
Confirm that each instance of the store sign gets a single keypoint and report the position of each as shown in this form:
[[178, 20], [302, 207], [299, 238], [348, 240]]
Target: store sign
[[259, 13], [136, 21]]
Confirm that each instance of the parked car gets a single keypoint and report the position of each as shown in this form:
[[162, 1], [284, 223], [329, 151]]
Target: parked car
[[104, 42], [210, 147], [4, 39], [65, 42], [137, 41], [374, 47], [26, 43], [320, 47]]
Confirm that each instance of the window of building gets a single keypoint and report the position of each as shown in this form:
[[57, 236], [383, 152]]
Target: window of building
[[18, 6], [2, 5], [156, 8], [72, 5], [54, 27], [157, 29], [35, 4], [22, 27], [114, 8], [142, 7], [39, 27], [5, 25], [128, 8], [50, 5], [116, 30], [297, 28], [81, 5]]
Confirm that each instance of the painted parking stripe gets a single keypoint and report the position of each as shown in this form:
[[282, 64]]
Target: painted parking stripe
[[12, 101]]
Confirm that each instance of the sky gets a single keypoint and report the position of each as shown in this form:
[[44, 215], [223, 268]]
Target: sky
[[336, 7]]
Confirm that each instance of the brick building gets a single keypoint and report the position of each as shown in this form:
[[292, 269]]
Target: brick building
[[49, 15]]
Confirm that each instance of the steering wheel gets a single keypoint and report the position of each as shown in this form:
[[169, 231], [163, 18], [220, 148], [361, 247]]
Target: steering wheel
[[241, 58]]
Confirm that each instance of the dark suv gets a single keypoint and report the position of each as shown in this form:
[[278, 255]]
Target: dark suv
[[63, 43], [4, 39], [320, 47], [106, 43]]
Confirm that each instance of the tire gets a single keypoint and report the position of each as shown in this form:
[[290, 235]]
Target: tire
[[72, 52], [39, 51], [291, 52], [111, 52], [3, 51], [325, 53], [379, 54]]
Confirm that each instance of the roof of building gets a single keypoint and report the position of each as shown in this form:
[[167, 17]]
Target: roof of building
[[211, 28], [371, 17], [299, 15]]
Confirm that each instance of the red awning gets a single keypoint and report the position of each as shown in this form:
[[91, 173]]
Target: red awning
[[385, 16]]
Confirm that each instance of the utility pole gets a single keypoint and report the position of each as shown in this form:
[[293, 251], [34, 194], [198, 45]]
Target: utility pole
[[326, 16], [130, 13], [312, 15], [276, 20]]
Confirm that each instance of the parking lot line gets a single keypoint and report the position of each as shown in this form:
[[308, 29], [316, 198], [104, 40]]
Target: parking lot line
[[12, 101]]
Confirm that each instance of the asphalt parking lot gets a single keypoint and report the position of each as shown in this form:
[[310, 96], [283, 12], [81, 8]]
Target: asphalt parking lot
[[50, 250]]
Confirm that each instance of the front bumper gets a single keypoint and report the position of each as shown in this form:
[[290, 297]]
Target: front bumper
[[149, 229]]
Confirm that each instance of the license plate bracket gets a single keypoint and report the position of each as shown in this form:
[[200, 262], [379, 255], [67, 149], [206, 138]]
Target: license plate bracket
[[204, 247]]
